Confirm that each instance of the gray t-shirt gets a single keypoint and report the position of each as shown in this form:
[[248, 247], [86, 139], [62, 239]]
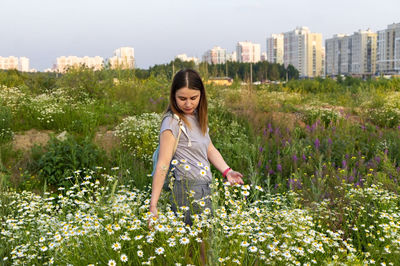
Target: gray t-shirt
[[191, 163]]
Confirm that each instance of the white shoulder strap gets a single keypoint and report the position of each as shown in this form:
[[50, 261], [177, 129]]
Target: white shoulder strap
[[182, 127]]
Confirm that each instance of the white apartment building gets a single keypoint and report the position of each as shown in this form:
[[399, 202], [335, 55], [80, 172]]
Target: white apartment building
[[304, 51], [23, 64], [185, 58], [8, 63], [363, 53], [216, 55], [124, 57], [275, 48], [232, 57], [12, 62], [63, 63], [388, 50], [248, 52], [263, 56]]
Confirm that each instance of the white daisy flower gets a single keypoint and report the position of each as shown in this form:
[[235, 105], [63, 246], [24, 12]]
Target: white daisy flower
[[244, 244], [140, 253], [184, 240], [116, 246], [112, 263], [253, 249], [124, 258], [159, 251], [203, 172], [186, 167], [174, 162], [199, 164]]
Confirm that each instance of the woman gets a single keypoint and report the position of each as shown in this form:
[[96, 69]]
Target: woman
[[195, 150]]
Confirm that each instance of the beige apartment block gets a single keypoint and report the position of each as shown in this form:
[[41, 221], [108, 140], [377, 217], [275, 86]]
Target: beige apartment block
[[23, 64], [388, 50], [216, 55], [363, 53], [304, 51], [185, 58], [248, 52], [275, 48], [124, 58], [8, 63], [63, 63]]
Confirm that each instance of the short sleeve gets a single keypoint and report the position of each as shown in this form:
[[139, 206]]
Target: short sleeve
[[170, 123]]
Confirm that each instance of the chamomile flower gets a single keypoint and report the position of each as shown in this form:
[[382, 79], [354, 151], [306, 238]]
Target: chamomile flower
[[140, 253], [112, 263], [245, 193], [124, 258], [159, 251], [244, 244], [253, 249], [184, 241], [174, 162], [203, 172], [186, 167], [116, 246]]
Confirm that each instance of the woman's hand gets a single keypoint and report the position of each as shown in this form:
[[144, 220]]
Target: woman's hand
[[153, 210], [234, 177]]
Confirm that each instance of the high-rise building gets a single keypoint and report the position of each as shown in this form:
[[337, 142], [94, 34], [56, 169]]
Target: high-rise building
[[351, 54], [63, 63], [232, 57], [216, 55], [23, 64], [124, 58], [303, 50], [275, 48], [9, 63], [388, 50], [263, 56], [336, 55], [363, 50], [185, 58], [248, 52]]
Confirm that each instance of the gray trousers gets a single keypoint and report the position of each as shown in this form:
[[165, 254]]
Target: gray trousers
[[180, 197]]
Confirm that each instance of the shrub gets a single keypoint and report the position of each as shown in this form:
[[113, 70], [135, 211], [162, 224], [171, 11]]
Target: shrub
[[6, 133], [59, 159], [139, 134]]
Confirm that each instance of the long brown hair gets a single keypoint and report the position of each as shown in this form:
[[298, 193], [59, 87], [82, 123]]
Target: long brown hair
[[189, 78]]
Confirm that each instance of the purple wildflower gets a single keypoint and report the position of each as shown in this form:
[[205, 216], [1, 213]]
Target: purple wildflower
[[316, 143]]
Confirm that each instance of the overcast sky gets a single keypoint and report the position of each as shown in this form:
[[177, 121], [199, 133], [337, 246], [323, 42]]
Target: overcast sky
[[160, 29]]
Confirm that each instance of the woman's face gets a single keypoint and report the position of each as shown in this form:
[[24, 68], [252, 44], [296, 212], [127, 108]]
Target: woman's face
[[187, 100]]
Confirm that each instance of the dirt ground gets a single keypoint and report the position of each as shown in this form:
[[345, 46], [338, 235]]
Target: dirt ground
[[24, 141]]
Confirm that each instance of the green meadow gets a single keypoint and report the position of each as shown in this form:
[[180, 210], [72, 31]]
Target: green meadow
[[320, 159]]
